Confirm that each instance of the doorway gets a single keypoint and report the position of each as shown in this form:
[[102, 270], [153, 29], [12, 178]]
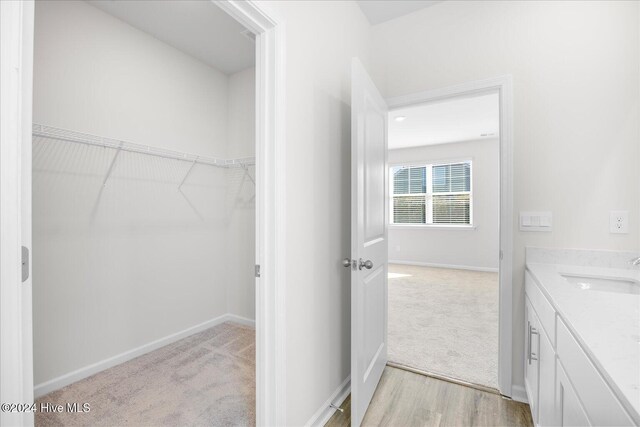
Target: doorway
[[444, 238], [370, 213], [17, 45], [143, 213], [481, 276]]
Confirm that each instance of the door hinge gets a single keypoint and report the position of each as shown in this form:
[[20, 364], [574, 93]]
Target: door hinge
[[25, 263], [257, 270], [501, 255]]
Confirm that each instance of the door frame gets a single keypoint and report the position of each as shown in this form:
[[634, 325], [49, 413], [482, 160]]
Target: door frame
[[16, 349], [270, 208], [16, 82], [504, 86]]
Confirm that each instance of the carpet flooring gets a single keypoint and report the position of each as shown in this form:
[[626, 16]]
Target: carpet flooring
[[205, 379], [444, 321]]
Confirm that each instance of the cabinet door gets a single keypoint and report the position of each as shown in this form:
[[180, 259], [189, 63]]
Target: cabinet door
[[568, 408], [600, 403], [546, 382], [531, 359]]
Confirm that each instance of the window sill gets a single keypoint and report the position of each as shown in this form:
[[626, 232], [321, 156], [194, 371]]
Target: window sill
[[432, 227]]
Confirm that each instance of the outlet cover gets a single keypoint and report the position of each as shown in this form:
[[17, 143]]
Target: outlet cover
[[619, 222]]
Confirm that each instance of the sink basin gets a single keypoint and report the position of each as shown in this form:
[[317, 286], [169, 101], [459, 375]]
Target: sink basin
[[604, 284]]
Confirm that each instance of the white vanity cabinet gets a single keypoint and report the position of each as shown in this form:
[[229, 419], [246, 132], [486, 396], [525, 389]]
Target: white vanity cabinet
[[563, 386], [546, 381], [539, 368], [531, 366], [570, 410]]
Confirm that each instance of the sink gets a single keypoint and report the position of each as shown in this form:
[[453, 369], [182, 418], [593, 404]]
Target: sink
[[604, 284]]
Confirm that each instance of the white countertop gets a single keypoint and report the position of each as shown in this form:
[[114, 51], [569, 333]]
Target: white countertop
[[606, 324]]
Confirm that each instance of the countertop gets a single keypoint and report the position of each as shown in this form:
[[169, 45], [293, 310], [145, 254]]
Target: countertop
[[606, 324]]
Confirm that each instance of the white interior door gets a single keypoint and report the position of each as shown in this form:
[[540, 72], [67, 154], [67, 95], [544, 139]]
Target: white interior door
[[369, 213]]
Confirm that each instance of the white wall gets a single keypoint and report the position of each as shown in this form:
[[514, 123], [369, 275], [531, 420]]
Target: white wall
[[241, 114], [475, 247], [575, 69], [321, 39], [241, 196], [119, 266], [123, 83]]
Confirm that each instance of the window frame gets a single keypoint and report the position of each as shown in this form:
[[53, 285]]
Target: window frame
[[429, 195]]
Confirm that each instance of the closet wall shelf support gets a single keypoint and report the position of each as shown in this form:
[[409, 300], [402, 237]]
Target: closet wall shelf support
[[57, 134], [186, 175], [113, 162], [246, 172]]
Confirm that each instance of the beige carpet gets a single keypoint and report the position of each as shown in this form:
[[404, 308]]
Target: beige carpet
[[445, 321], [207, 379]]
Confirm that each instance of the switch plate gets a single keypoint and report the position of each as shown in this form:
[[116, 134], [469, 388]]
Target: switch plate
[[619, 222], [536, 221]]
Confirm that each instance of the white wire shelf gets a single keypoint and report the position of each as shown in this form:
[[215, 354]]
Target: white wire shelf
[[58, 134]]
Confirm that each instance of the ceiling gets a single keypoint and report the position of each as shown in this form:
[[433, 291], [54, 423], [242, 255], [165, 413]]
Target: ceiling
[[378, 11], [198, 28], [454, 120]]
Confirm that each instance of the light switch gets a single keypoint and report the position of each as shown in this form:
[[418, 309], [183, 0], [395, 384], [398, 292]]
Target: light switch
[[545, 221], [536, 221]]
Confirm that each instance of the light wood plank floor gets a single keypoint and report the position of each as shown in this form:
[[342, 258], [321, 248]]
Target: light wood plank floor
[[407, 399]]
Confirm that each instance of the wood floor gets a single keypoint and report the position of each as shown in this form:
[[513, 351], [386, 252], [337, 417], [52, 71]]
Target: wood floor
[[407, 399]]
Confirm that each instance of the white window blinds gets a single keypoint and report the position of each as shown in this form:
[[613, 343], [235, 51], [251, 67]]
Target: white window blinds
[[409, 188], [432, 194]]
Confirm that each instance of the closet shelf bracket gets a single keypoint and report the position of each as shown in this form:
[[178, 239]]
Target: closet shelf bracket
[[186, 175], [113, 162], [246, 172]]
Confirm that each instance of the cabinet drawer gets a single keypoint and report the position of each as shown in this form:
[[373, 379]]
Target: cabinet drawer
[[544, 309], [601, 405]]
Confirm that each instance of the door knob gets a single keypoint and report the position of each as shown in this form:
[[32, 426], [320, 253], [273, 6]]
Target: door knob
[[346, 262], [366, 264]]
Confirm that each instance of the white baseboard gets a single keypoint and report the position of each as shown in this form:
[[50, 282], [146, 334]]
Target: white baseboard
[[452, 266], [519, 394], [66, 379], [325, 412], [240, 319]]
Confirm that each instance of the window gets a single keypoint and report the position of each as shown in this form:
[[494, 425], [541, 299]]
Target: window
[[432, 194]]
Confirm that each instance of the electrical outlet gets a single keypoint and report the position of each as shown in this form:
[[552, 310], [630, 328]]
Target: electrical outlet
[[619, 222], [398, 248]]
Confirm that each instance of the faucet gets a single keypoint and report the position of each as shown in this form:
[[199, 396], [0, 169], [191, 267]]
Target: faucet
[[635, 261]]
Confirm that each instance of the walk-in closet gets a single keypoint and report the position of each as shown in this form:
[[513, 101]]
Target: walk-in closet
[[143, 213]]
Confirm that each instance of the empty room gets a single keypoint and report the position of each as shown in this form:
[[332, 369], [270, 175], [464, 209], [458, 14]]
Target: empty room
[[143, 213], [444, 160]]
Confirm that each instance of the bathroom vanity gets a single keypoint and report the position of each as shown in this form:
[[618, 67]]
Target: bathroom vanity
[[582, 337]]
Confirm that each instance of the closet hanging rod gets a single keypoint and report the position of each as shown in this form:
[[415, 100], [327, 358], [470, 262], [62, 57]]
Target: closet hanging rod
[[98, 141]]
